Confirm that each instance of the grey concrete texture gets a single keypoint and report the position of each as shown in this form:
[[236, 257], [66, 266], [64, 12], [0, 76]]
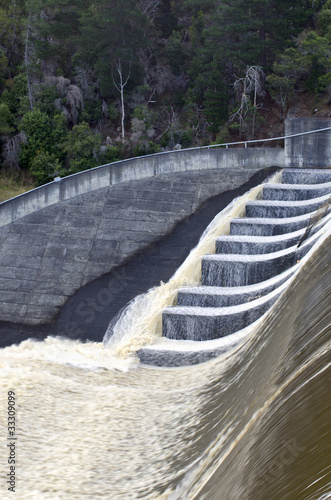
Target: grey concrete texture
[[305, 176], [48, 255], [295, 192], [311, 150]]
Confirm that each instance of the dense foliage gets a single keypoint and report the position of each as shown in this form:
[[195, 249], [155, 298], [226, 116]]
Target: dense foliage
[[87, 82]]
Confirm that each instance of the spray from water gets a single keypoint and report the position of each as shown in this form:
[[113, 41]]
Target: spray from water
[[141, 321]]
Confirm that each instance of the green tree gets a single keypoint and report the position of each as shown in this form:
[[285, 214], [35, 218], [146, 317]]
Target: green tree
[[12, 15], [289, 68], [59, 33], [319, 49], [44, 167], [4, 42], [112, 48], [216, 99], [82, 148], [44, 136], [165, 19], [6, 120], [324, 20], [15, 96], [30, 61], [105, 40]]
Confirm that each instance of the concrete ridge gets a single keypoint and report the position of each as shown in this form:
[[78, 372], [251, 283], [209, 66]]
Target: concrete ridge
[[136, 169]]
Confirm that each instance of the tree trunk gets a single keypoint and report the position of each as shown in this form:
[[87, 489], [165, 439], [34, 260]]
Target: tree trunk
[[120, 87], [123, 113]]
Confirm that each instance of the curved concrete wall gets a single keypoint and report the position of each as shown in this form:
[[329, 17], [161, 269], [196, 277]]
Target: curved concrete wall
[[136, 169], [61, 264]]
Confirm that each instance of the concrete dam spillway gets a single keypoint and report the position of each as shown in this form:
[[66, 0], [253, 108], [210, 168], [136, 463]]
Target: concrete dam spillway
[[212, 385], [251, 268], [68, 268], [238, 426]]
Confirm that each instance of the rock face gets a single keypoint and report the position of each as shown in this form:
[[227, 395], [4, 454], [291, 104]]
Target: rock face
[[251, 268]]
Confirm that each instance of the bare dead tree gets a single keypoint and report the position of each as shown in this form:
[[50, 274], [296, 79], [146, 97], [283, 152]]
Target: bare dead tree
[[104, 109], [149, 8], [252, 82], [169, 122], [60, 82], [120, 86], [11, 149], [256, 79]]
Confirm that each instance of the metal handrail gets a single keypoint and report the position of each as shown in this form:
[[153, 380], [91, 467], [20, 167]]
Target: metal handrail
[[227, 144], [195, 148]]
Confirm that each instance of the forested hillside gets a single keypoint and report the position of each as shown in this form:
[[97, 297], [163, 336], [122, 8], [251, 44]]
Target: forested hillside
[[86, 82]]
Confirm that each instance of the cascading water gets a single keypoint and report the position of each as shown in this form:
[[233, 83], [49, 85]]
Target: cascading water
[[141, 322], [250, 424]]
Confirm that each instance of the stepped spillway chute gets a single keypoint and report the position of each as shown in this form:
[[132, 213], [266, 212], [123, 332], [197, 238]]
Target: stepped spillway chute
[[213, 296], [272, 209], [241, 270], [270, 226], [295, 192], [306, 176], [251, 268], [207, 323], [140, 322]]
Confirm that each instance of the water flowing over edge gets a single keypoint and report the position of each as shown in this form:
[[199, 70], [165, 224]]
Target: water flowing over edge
[[139, 323], [251, 424]]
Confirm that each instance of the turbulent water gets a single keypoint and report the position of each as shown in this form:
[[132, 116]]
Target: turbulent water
[[141, 322], [251, 424]]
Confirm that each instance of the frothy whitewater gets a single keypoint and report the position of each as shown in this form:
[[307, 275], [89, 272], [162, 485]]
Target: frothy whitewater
[[251, 424]]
